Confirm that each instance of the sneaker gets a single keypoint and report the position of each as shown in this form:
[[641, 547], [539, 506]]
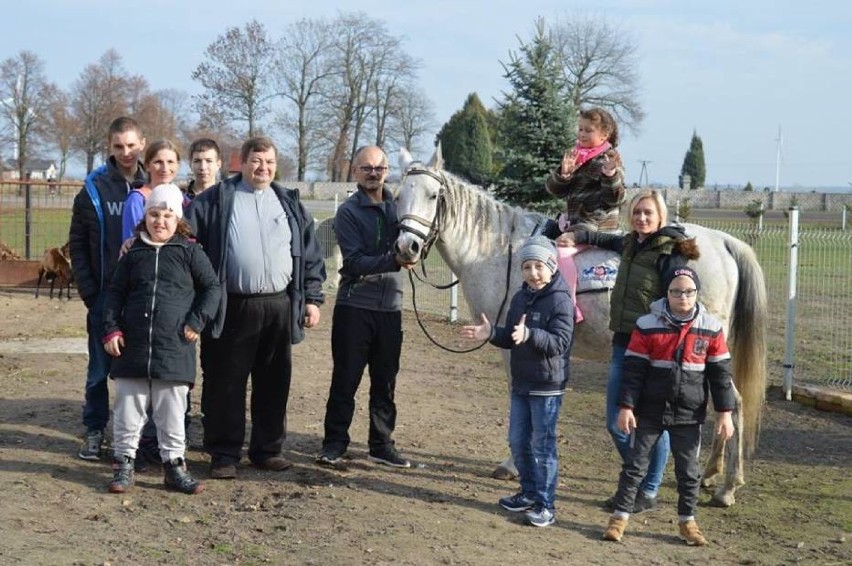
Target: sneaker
[[92, 443], [692, 534], [123, 475], [644, 503], [177, 478], [516, 503], [615, 529], [329, 457], [540, 516], [389, 457]]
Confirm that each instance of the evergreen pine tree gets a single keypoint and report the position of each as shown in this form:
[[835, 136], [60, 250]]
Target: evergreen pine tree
[[466, 142], [536, 123], [693, 163]]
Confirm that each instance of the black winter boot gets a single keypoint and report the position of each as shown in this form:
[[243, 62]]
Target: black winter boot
[[179, 479], [123, 475]]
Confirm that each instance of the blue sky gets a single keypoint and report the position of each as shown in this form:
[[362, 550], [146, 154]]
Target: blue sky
[[732, 70]]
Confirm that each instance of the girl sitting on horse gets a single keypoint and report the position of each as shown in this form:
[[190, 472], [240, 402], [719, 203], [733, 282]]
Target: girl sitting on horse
[[591, 179]]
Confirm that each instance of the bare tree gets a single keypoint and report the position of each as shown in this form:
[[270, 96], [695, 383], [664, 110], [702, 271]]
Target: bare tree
[[238, 75], [394, 70], [98, 96], [364, 52], [62, 130], [600, 65], [412, 116], [156, 121], [24, 102], [304, 66]]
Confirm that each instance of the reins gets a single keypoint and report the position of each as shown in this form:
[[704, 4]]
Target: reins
[[429, 238]]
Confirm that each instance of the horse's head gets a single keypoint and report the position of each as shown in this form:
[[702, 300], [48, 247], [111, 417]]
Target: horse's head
[[420, 203]]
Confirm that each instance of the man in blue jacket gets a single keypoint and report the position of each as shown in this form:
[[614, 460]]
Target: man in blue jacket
[[261, 242], [94, 241], [367, 324]]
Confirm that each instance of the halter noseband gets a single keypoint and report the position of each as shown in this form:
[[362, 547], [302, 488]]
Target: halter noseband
[[434, 225]]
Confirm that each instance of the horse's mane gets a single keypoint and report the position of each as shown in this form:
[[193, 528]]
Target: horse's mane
[[475, 212]]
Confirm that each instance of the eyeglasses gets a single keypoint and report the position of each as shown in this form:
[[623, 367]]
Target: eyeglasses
[[682, 292], [369, 169]]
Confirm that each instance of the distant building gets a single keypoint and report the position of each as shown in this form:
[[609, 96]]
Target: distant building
[[39, 169]]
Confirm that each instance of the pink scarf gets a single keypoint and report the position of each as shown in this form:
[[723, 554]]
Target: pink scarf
[[585, 154]]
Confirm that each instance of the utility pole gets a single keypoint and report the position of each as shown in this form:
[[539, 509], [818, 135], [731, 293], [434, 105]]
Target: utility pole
[[778, 142], [643, 172]]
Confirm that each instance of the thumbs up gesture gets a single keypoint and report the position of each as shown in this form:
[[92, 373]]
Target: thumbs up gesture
[[521, 333]]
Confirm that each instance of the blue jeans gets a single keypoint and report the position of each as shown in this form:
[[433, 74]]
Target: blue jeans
[[96, 407], [532, 439], [659, 455]]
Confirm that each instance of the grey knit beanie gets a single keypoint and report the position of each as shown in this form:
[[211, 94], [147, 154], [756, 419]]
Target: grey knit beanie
[[540, 248]]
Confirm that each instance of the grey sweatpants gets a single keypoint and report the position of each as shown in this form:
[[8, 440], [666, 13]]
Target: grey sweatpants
[[168, 405]]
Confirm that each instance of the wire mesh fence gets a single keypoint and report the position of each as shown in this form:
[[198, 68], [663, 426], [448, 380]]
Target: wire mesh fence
[[38, 218], [823, 325]]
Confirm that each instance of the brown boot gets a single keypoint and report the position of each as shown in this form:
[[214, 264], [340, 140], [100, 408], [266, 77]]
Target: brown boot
[[615, 529], [692, 534]]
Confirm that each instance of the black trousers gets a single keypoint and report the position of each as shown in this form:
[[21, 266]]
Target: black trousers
[[685, 443], [359, 338], [255, 341]]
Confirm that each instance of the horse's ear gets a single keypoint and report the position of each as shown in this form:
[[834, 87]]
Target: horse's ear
[[404, 159], [437, 161]]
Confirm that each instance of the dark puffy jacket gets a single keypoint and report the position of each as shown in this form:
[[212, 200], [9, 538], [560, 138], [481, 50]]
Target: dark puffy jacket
[[669, 367], [541, 365], [95, 234], [155, 291], [209, 215]]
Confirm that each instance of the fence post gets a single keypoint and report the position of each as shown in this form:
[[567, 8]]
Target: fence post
[[790, 330], [843, 218], [28, 217], [454, 299]]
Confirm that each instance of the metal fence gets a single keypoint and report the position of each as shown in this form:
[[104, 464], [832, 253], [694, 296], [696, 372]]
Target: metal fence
[[37, 218], [821, 324]]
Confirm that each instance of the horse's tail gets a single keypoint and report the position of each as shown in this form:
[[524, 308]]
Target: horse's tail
[[748, 338]]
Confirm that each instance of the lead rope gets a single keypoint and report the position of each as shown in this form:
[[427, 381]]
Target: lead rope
[[499, 312]]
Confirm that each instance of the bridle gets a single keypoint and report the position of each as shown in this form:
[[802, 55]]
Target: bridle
[[429, 238], [433, 226]]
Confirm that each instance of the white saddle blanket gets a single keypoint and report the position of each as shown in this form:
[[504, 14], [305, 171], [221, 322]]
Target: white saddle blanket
[[596, 269]]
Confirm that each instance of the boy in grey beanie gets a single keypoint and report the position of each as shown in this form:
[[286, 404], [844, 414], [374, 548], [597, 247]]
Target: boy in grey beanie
[[539, 331]]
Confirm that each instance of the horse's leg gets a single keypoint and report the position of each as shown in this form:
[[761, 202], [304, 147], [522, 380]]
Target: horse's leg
[[733, 457], [506, 470]]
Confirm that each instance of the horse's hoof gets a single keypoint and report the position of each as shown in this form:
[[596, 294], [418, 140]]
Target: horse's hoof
[[723, 500], [502, 473]]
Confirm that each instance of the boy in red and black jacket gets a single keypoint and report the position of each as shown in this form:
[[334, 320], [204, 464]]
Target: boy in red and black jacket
[[676, 354]]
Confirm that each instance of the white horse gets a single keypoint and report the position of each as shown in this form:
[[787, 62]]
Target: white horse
[[474, 233]]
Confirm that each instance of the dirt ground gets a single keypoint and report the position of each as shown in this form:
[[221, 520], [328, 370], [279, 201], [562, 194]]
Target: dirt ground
[[796, 507]]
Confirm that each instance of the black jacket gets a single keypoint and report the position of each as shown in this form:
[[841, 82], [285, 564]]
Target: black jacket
[[540, 366], [209, 215], [366, 233], [155, 291], [95, 239]]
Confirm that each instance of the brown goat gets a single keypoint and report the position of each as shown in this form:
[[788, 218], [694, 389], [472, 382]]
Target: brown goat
[[56, 264]]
